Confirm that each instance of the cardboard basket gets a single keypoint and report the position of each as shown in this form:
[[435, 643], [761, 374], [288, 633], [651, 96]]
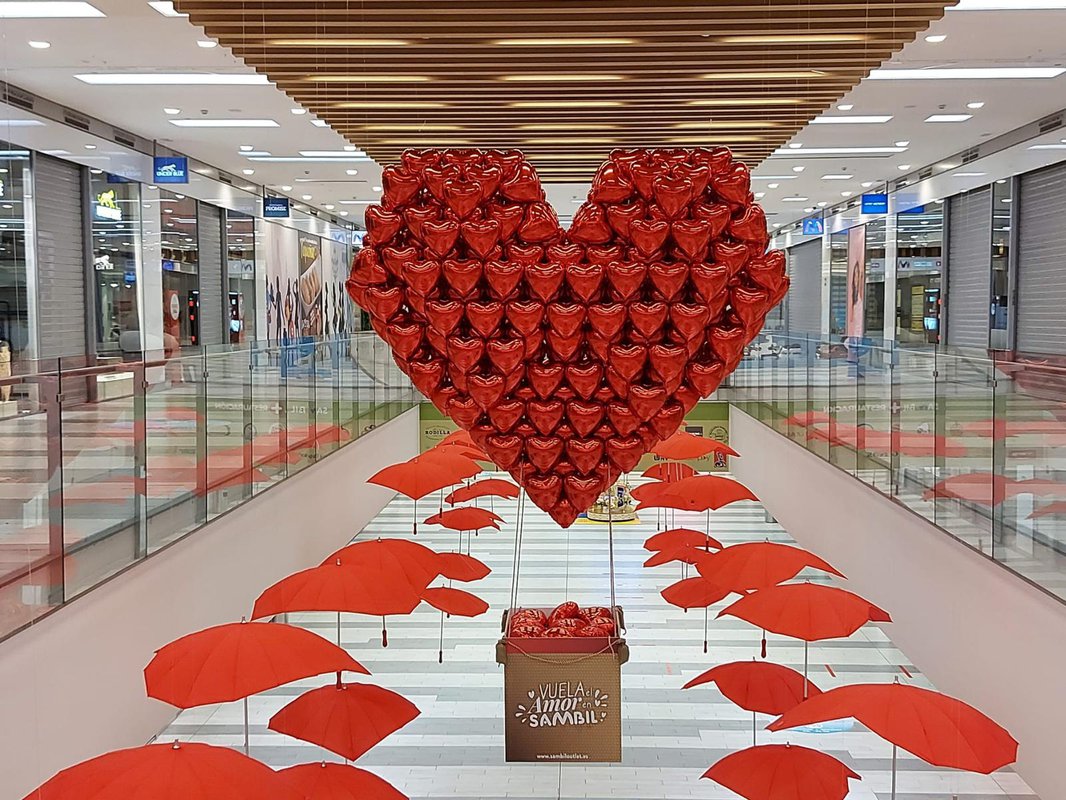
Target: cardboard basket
[[562, 696]]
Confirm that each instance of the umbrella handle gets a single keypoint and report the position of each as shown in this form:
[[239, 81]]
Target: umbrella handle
[[384, 634], [764, 644]]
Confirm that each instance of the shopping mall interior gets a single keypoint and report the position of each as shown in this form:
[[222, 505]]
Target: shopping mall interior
[[575, 400]]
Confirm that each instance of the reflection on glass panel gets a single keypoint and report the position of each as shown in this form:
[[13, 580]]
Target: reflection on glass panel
[[999, 308], [14, 314], [181, 279], [874, 306], [114, 222], [838, 282], [240, 273], [919, 266]]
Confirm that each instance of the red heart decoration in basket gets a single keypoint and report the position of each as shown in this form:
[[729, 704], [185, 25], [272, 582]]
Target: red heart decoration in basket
[[567, 354]]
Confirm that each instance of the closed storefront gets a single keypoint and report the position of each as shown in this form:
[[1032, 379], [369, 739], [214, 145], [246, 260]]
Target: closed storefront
[[969, 268], [1042, 262], [805, 288]]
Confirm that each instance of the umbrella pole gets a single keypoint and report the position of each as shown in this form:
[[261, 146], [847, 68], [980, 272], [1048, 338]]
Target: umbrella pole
[[246, 726], [754, 730], [806, 644], [440, 651], [705, 614], [893, 795], [414, 520], [338, 629]]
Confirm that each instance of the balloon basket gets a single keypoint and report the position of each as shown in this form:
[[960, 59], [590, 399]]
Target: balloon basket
[[562, 695]]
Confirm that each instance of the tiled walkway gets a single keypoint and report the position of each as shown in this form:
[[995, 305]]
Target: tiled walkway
[[455, 748]]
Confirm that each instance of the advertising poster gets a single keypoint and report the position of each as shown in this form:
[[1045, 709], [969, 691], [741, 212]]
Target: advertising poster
[[856, 298], [336, 305], [309, 286], [280, 248]]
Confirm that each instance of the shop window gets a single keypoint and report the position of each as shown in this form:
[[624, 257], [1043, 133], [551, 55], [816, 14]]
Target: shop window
[[240, 273], [181, 270], [838, 283], [874, 292], [919, 271], [15, 339], [114, 222], [999, 308]]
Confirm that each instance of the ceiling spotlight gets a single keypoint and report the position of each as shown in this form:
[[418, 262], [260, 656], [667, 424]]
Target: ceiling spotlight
[[351, 172], [207, 44], [344, 213], [846, 194], [795, 145], [798, 169], [936, 38], [377, 188], [845, 107], [760, 195], [822, 204], [305, 197], [903, 167], [90, 147], [37, 45], [975, 105], [248, 171], [904, 143], [286, 188], [350, 148], [867, 184], [329, 206], [247, 148], [298, 111], [172, 111], [772, 185]]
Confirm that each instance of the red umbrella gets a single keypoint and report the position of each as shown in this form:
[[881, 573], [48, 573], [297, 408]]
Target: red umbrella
[[330, 781], [489, 487], [683, 446], [808, 418], [335, 586], [1003, 429], [465, 519], [683, 553], [670, 473], [758, 687], [346, 718], [757, 565], [461, 567], [1050, 510], [694, 593], [681, 537], [167, 772], [783, 772], [202, 668], [699, 493], [990, 489], [418, 564], [806, 611], [934, 727], [464, 450], [453, 601], [460, 436], [424, 474]]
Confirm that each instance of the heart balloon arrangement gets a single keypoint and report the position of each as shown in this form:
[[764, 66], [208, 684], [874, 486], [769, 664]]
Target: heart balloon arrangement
[[567, 354]]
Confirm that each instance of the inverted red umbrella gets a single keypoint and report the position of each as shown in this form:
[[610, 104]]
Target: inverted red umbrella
[[177, 771], [453, 601], [347, 718], [757, 686], [808, 611], [336, 586], [232, 661], [681, 537], [424, 474], [757, 565], [668, 473], [783, 772], [488, 487], [683, 446], [331, 781], [936, 728], [695, 593]]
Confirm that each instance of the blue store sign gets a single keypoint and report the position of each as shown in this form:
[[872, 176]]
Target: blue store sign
[[874, 204], [171, 169], [275, 206]]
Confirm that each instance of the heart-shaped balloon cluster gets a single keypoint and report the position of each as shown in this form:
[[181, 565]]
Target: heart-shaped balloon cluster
[[567, 355]]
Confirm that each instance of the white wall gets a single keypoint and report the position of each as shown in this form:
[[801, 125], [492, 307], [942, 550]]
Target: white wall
[[976, 630], [71, 687]]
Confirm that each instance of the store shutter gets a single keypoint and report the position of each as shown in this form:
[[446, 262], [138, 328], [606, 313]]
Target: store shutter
[[969, 268], [59, 207], [209, 226], [805, 288], [1041, 309]]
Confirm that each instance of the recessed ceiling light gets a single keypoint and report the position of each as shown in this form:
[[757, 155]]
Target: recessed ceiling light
[[798, 169], [207, 44], [48, 10], [563, 42], [562, 77], [39, 45], [760, 195], [856, 119], [317, 78], [866, 184], [319, 123], [793, 38], [248, 171], [837, 151], [298, 111], [1047, 147], [845, 107], [224, 123], [822, 204], [976, 104], [286, 188], [377, 188], [794, 199], [305, 197], [966, 73], [328, 207], [796, 74], [773, 177], [338, 154], [350, 148], [936, 38], [948, 117], [747, 101], [809, 209], [343, 213], [172, 111], [390, 104], [903, 143], [969, 174], [172, 79], [903, 167], [1002, 180], [837, 177], [777, 224], [773, 185], [90, 147], [166, 8], [795, 145], [96, 172], [305, 160], [351, 172], [846, 194], [247, 148]]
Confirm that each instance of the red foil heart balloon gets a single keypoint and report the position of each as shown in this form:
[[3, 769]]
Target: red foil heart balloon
[[567, 354]]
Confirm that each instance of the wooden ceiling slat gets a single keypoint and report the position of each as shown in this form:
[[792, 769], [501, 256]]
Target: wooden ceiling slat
[[454, 47]]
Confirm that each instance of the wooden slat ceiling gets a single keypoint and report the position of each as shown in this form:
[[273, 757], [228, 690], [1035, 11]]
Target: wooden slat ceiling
[[566, 82]]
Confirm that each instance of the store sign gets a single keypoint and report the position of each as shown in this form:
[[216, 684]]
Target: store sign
[[171, 169], [875, 204], [275, 207], [107, 207], [814, 226]]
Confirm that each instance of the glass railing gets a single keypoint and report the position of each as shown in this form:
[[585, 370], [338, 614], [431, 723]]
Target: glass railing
[[105, 464], [974, 444]]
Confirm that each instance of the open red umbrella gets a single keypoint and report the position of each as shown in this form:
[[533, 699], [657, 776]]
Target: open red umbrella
[[699, 493], [461, 567], [453, 601], [694, 593], [758, 686], [331, 781], [783, 772], [424, 474], [934, 727], [165, 771], [460, 436], [757, 565], [336, 586], [466, 518], [669, 473], [232, 661], [489, 487], [346, 718], [681, 537], [418, 564], [683, 553], [808, 611], [683, 446]]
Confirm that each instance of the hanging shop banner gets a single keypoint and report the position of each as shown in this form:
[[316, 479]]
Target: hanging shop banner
[[171, 169], [874, 204], [856, 282], [275, 207], [310, 286]]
